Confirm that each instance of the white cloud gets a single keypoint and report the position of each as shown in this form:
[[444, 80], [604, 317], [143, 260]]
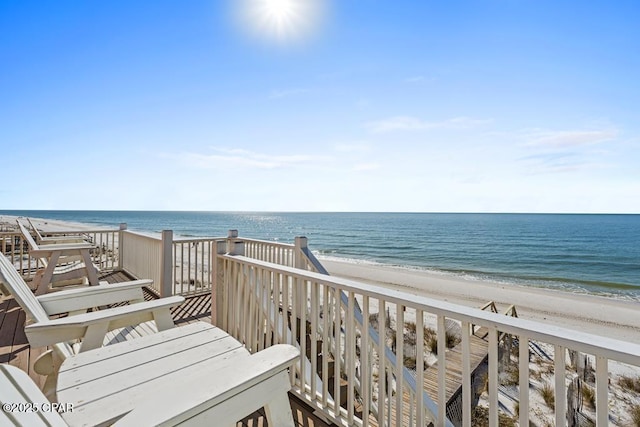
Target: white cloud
[[415, 79], [284, 93], [350, 148], [244, 158], [408, 123], [366, 167], [562, 139]]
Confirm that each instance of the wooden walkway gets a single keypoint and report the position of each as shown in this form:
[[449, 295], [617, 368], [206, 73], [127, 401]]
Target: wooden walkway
[[15, 349]]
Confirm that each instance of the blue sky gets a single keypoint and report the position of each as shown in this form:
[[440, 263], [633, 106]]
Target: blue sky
[[356, 105]]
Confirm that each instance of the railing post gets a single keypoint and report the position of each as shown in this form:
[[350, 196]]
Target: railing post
[[166, 264], [301, 243], [231, 234], [217, 289], [123, 228]]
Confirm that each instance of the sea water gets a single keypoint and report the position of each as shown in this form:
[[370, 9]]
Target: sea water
[[597, 254]]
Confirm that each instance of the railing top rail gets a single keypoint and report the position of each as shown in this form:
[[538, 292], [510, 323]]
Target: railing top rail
[[610, 348], [57, 232], [9, 233], [197, 239], [270, 242], [154, 236]]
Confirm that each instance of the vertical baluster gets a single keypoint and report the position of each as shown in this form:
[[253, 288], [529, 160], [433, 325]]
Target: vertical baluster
[[296, 328], [315, 301], [466, 375], [228, 278], [284, 283], [365, 363], [399, 362], [602, 391], [350, 358], [442, 390], [253, 329], [523, 369], [195, 266], [181, 267], [419, 367], [245, 305], [202, 264], [493, 376], [259, 312], [382, 332], [269, 299], [560, 392], [327, 305], [337, 351], [302, 301]]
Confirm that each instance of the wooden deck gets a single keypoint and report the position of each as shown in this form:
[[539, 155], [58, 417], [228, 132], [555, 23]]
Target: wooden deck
[[15, 349]]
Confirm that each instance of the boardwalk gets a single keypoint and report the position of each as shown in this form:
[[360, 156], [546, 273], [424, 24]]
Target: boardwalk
[[15, 349]]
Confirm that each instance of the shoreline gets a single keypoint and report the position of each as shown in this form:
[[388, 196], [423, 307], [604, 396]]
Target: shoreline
[[605, 316], [589, 313]]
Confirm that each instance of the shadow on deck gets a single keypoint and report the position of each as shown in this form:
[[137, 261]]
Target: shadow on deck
[[15, 349]]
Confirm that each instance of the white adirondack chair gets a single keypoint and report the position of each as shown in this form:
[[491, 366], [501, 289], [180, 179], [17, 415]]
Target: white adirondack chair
[[218, 393], [53, 239], [74, 259], [82, 330]]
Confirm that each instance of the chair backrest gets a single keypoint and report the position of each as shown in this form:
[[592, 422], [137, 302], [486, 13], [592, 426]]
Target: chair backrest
[[35, 230], [22, 401], [25, 233], [16, 285]]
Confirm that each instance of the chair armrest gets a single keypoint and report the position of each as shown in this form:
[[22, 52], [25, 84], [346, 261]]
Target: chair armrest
[[65, 246], [252, 382], [92, 296], [47, 250], [91, 325]]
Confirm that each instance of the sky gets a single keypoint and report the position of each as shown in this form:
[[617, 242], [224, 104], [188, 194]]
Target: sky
[[318, 105]]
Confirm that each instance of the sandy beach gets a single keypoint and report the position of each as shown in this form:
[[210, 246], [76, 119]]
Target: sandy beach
[[593, 314], [598, 315]]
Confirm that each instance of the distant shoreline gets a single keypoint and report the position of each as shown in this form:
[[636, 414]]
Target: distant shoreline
[[599, 315]]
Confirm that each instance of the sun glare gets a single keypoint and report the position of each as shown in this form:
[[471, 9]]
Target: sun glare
[[280, 21]]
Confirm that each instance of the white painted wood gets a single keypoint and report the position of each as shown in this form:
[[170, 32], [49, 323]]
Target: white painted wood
[[243, 383], [523, 368], [442, 397], [610, 348], [350, 357], [94, 296], [49, 256], [602, 391], [53, 240], [560, 385], [602, 346], [493, 377], [466, 376], [399, 362], [27, 405], [49, 332], [365, 356], [381, 362], [130, 374]]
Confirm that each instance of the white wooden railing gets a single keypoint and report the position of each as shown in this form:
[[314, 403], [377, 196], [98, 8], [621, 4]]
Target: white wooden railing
[[105, 256], [316, 300]]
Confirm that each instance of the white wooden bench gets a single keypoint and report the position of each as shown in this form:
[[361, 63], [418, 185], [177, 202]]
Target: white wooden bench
[[51, 255], [192, 375], [82, 330], [41, 240]]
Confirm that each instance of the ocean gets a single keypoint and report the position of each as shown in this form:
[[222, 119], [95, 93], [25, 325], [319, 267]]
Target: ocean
[[595, 254]]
